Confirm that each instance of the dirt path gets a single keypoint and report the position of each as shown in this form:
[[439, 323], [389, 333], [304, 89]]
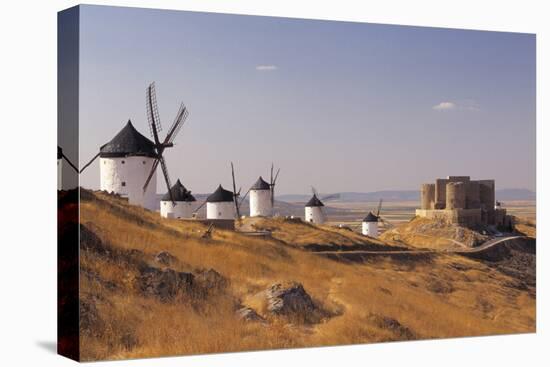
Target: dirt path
[[361, 255]]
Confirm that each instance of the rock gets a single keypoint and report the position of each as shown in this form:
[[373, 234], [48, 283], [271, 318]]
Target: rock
[[248, 314], [90, 322], [164, 284], [209, 281], [165, 258], [387, 323], [290, 299]]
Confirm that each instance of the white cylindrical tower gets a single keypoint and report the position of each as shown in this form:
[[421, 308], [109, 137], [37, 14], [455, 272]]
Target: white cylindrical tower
[[314, 211], [181, 207], [220, 204], [260, 199], [125, 163], [370, 225]]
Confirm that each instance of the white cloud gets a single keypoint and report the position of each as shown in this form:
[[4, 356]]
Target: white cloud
[[444, 106], [266, 67], [464, 105]]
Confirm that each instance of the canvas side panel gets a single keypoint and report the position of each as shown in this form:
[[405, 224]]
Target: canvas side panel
[[68, 193]]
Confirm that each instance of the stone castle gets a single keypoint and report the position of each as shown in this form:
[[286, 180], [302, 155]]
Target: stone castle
[[459, 200]]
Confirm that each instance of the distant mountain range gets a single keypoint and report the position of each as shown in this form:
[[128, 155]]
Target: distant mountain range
[[387, 195], [404, 195]]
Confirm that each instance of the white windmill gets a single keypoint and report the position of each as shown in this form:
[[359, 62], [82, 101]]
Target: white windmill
[[262, 196], [369, 225], [183, 202], [314, 207], [222, 203], [129, 161]]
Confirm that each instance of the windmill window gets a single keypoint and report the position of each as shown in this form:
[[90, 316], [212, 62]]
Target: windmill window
[[123, 183], [143, 162], [122, 162]]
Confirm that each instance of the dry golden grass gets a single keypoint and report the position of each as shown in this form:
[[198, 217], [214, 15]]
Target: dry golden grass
[[376, 301]]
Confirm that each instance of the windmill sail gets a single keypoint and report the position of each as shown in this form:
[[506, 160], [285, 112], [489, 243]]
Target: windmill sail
[[235, 194], [155, 127]]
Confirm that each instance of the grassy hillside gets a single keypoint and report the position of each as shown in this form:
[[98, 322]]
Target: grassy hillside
[[192, 297], [434, 234]]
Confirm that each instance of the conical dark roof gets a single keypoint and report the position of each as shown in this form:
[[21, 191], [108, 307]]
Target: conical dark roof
[[370, 218], [127, 142], [179, 193], [314, 201], [220, 195], [260, 185]]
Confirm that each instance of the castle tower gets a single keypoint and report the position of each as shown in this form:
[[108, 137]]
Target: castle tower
[[456, 195], [183, 202], [125, 163], [427, 196], [260, 199], [370, 225], [314, 211], [220, 204], [440, 193], [472, 195]]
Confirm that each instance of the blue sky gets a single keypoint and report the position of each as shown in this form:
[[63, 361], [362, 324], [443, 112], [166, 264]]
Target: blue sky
[[341, 106]]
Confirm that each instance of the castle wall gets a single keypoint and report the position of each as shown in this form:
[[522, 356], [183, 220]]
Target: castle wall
[[487, 194], [472, 195], [427, 196], [464, 217], [464, 179], [440, 193]]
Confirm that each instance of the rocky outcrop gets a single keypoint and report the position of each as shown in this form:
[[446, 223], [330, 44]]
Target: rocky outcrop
[[168, 285], [209, 281], [164, 284], [392, 325], [290, 299], [165, 258], [248, 314], [91, 323]]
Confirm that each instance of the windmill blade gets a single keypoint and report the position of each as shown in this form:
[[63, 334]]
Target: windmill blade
[[243, 198], [153, 170], [271, 177], [153, 117], [181, 116], [235, 192], [276, 176], [314, 191], [332, 196], [379, 207], [386, 223], [167, 179], [85, 166], [71, 163], [200, 206]]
